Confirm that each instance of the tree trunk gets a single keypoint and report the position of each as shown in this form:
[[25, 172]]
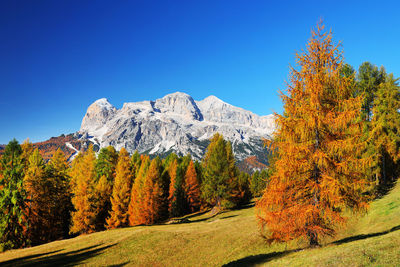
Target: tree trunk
[[385, 181], [316, 173], [313, 239]]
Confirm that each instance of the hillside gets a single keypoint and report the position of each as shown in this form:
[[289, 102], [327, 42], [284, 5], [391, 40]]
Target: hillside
[[229, 238], [68, 144]]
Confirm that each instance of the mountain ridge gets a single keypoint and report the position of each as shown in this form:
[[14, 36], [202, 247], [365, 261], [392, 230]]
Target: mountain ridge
[[175, 123]]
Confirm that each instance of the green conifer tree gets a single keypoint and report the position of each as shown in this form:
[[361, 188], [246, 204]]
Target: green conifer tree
[[384, 136], [105, 170], [57, 170], [12, 198], [219, 172]]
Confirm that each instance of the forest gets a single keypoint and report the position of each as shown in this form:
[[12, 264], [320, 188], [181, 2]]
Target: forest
[[336, 148], [46, 201]]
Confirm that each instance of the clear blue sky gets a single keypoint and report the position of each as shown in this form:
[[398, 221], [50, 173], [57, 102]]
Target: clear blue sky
[[57, 57]]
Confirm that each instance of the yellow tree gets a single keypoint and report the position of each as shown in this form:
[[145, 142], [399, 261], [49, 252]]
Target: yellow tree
[[83, 175], [318, 171], [57, 171], [27, 150], [38, 203], [153, 193], [121, 192]]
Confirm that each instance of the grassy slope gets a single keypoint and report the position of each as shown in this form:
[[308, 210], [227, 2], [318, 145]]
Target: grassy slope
[[230, 237]]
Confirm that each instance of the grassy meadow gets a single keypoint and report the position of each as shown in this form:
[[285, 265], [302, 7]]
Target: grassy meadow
[[230, 238]]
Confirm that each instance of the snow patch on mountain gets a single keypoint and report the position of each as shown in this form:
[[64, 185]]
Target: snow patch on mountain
[[175, 122], [69, 145]]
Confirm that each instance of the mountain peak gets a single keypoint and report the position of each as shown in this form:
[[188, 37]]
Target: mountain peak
[[177, 94], [176, 123], [212, 98], [103, 103], [97, 114], [179, 103]]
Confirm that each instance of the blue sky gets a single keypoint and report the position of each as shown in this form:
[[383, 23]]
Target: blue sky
[[57, 57]]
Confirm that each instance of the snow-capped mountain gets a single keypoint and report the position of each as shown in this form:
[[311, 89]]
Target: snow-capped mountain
[[175, 123]]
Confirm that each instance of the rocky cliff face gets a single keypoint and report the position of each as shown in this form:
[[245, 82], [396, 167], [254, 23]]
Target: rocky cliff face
[[175, 123]]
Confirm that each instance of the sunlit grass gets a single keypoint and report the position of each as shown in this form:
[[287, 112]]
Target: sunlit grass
[[230, 237]]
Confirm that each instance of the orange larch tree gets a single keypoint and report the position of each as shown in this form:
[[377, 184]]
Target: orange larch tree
[[172, 171], [121, 192], [192, 188], [319, 171], [83, 176], [136, 205], [153, 193]]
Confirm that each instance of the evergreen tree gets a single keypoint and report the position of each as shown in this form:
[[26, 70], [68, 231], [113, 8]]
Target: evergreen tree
[[135, 163], [121, 192], [258, 182], [105, 168], [241, 193], [384, 137], [369, 79], [83, 176], [318, 171], [219, 172], [12, 198], [176, 198], [57, 170]]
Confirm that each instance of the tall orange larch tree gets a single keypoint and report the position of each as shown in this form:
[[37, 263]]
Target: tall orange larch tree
[[121, 192], [319, 171], [83, 176], [192, 188], [153, 193], [172, 172], [136, 206]]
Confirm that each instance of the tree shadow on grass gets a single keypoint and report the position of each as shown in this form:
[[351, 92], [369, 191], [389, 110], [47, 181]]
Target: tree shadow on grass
[[258, 259], [365, 236], [245, 206], [25, 258], [70, 258]]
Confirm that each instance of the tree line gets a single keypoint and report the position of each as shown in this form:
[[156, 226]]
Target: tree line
[[42, 202]]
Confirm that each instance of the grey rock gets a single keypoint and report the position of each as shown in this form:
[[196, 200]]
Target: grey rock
[[175, 123]]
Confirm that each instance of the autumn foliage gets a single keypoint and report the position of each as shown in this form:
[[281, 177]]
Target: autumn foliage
[[137, 197], [319, 171], [192, 188], [83, 175], [121, 192]]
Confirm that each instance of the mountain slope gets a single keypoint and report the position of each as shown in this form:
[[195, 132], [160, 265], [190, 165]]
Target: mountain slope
[[230, 238], [176, 123]]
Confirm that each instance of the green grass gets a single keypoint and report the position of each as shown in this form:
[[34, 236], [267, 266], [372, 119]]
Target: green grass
[[229, 238]]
